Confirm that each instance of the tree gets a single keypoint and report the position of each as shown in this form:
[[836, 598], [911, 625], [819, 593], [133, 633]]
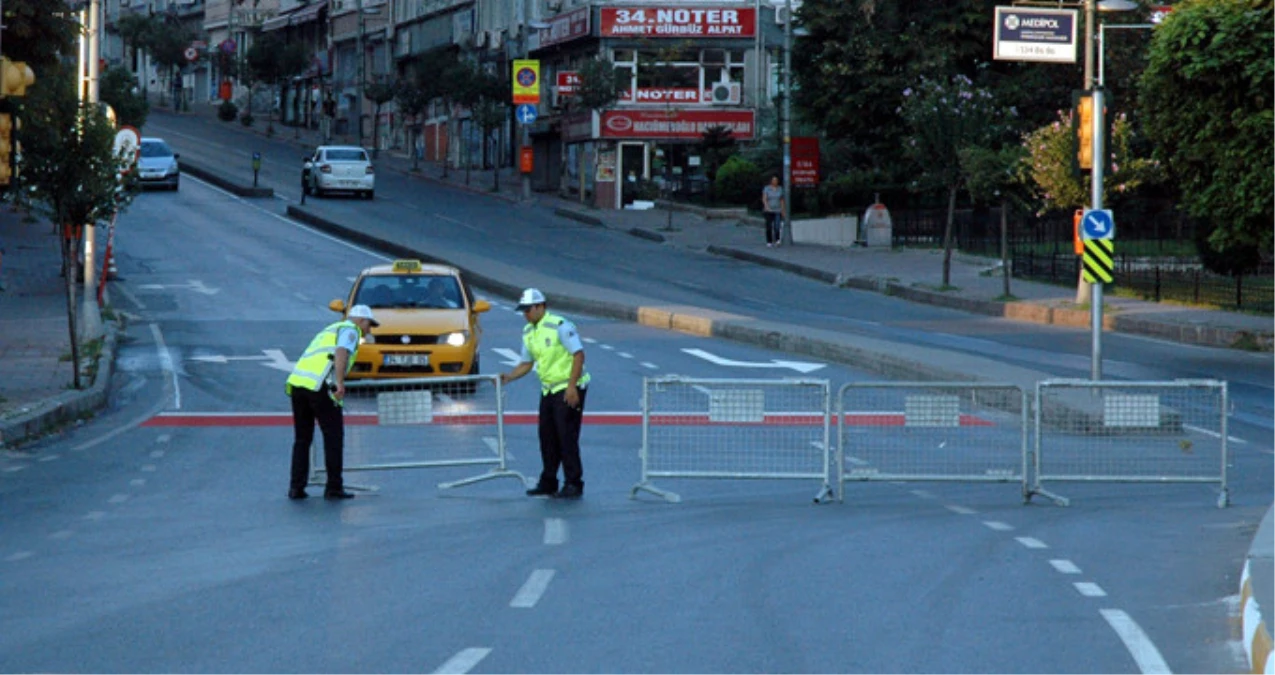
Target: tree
[[490, 113], [36, 35], [1206, 105], [600, 87], [167, 44], [716, 144], [135, 32], [69, 170], [998, 176], [379, 92], [118, 88], [945, 119], [413, 98], [273, 62]]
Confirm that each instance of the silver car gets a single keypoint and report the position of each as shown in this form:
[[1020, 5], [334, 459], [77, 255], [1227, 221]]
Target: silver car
[[157, 165], [338, 167]]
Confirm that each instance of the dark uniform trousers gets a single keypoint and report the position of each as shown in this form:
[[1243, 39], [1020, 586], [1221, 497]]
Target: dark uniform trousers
[[560, 439], [307, 408]]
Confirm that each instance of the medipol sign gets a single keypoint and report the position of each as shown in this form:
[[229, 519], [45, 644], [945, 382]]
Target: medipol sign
[[1032, 34]]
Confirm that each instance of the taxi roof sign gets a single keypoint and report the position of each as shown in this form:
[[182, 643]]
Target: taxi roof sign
[[407, 266]]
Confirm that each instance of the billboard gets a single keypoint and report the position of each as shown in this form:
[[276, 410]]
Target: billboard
[[680, 124], [677, 22], [1034, 34]]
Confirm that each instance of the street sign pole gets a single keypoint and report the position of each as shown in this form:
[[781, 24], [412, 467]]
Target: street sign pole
[[1095, 311]]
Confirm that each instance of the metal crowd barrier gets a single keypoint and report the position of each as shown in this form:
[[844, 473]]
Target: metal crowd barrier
[[735, 429], [422, 423], [932, 431], [1133, 432]]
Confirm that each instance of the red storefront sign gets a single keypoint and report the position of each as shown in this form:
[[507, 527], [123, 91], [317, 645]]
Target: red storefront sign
[[566, 27], [677, 22], [805, 161], [664, 95], [676, 124], [568, 82]]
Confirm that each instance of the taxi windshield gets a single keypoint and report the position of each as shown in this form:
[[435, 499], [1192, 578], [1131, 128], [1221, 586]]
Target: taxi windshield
[[404, 291]]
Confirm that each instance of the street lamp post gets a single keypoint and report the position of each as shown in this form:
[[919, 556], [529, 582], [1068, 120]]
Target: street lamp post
[[786, 215], [358, 110]]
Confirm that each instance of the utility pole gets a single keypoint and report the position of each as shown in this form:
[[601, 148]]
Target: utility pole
[[358, 114], [91, 52], [787, 127]]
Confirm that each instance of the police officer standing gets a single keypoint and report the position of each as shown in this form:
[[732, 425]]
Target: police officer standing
[[317, 389], [553, 345]]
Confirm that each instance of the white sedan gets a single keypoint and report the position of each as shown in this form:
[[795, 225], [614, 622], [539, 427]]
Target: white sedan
[[338, 167]]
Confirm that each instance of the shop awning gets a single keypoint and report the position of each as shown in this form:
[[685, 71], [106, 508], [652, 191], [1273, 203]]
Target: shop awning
[[296, 17]]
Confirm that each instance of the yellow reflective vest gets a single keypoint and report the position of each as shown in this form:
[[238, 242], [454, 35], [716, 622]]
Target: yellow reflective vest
[[315, 365], [553, 361]]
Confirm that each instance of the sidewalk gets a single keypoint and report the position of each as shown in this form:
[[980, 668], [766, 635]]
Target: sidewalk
[[912, 274]]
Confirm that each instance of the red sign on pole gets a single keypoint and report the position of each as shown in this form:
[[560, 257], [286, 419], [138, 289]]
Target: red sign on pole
[[677, 22], [568, 82], [678, 123], [805, 161], [526, 160]]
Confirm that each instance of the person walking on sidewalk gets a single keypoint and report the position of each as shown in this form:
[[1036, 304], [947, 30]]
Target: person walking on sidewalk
[[317, 389], [772, 206], [553, 345]]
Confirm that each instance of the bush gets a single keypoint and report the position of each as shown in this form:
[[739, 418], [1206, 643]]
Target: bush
[[739, 182], [245, 119], [227, 112]]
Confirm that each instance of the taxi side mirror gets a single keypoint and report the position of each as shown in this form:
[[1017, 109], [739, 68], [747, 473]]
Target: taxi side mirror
[[481, 306], [337, 306]]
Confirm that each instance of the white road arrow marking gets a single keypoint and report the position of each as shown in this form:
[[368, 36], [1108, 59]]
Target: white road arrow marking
[[511, 357], [278, 361], [271, 358], [799, 366], [193, 285]]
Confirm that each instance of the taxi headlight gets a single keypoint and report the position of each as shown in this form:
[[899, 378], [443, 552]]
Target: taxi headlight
[[456, 339], [367, 339]]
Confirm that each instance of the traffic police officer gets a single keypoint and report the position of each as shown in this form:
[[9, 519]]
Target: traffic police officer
[[553, 345], [317, 389]]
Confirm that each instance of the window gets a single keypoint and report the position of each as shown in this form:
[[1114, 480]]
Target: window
[[345, 156]]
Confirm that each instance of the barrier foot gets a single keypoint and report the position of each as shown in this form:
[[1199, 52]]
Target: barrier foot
[[490, 475], [1224, 499], [824, 495], [319, 479], [1057, 499], [664, 494]]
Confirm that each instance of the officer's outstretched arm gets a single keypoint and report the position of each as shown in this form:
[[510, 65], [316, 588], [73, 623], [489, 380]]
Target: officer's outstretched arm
[[518, 371]]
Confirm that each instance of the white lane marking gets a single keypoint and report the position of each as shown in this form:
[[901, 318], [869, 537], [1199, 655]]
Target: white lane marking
[[555, 531], [625, 355], [163, 438], [961, 510], [137, 482], [118, 499], [129, 294], [301, 296], [20, 555], [609, 348], [156, 454], [1090, 589], [998, 525], [463, 661], [14, 469], [166, 362], [494, 446], [511, 357], [923, 494], [1031, 542], [647, 364], [1214, 434], [530, 593], [1139, 645], [62, 534], [95, 515], [48, 458], [457, 222], [1065, 566], [148, 468], [591, 341], [351, 279]]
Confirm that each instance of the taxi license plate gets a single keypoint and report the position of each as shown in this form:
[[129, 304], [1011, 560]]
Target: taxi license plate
[[406, 359]]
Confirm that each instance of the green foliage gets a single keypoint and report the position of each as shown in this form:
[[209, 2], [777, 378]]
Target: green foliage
[[1206, 98], [997, 176], [716, 144], [600, 85], [271, 61], [36, 35], [227, 111], [69, 168], [739, 181], [118, 88], [380, 92], [136, 29], [944, 119]]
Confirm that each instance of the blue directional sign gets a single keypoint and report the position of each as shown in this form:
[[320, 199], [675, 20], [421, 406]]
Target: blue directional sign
[[1098, 225], [526, 113]]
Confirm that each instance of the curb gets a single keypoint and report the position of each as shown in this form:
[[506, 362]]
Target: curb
[[456, 186], [224, 183], [579, 216], [66, 406], [1258, 572]]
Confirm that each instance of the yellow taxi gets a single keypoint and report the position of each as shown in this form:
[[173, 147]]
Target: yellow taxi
[[429, 321]]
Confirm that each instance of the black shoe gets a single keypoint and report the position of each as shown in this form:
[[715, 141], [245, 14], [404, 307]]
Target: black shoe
[[338, 494], [571, 492], [297, 494], [542, 491]]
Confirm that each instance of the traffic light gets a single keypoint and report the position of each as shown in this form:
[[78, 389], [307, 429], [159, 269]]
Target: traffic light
[[1084, 131], [6, 148], [15, 77]]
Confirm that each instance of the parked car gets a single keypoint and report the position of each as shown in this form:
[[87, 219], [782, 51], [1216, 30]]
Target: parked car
[[157, 165], [338, 167], [428, 321]]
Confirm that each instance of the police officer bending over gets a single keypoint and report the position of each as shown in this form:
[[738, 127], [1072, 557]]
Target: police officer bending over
[[317, 389], [552, 344]]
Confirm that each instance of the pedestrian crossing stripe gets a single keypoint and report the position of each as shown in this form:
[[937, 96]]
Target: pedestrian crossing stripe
[[1097, 261]]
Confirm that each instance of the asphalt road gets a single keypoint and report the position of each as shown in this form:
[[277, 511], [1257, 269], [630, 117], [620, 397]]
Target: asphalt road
[[134, 546]]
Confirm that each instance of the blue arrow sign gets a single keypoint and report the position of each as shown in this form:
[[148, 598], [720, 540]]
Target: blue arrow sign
[[1098, 225], [526, 113]]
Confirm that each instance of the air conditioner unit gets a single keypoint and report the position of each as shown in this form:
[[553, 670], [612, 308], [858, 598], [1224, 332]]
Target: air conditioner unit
[[553, 6], [726, 93], [781, 14], [480, 38]]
